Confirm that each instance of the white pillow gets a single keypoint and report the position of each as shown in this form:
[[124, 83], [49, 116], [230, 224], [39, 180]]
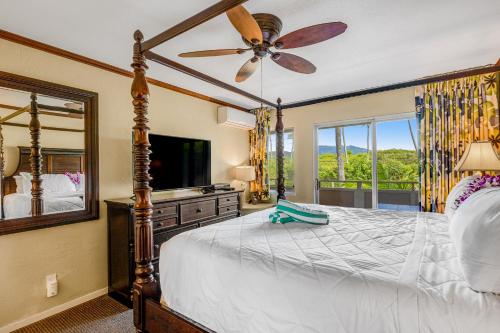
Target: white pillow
[[475, 232], [456, 191], [81, 187], [57, 183], [19, 184], [26, 178]]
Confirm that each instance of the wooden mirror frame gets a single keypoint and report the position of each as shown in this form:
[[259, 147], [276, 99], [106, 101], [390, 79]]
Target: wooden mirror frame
[[89, 99]]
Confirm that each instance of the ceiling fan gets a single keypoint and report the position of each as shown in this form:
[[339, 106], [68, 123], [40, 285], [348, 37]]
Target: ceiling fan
[[260, 32]]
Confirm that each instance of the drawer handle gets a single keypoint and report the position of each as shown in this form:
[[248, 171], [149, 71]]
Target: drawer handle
[[228, 199], [157, 246], [159, 224], [160, 211], [199, 210]]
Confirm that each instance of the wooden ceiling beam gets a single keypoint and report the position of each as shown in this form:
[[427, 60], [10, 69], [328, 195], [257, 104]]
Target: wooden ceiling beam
[[204, 77], [192, 22]]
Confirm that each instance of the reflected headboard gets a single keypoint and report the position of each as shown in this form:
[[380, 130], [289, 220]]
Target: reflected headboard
[[54, 160]]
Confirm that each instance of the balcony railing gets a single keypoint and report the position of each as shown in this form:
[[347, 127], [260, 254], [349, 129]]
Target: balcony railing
[[289, 184], [358, 193]]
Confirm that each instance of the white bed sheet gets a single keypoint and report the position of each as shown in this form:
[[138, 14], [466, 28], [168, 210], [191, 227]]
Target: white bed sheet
[[19, 204], [367, 271]]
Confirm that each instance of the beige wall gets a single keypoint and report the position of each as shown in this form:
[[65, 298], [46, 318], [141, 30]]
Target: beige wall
[[303, 120], [78, 252]]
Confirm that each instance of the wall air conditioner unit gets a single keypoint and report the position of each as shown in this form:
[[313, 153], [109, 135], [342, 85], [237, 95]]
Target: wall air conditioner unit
[[235, 118]]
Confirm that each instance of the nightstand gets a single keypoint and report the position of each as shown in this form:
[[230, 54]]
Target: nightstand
[[247, 208]]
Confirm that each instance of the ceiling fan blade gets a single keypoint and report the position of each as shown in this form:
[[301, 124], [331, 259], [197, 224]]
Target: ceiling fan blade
[[247, 69], [245, 24], [310, 35], [212, 53], [293, 63]]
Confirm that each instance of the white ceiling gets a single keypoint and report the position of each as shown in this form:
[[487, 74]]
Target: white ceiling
[[387, 41]]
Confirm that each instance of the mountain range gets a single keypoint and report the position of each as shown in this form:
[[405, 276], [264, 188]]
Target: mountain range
[[332, 150]]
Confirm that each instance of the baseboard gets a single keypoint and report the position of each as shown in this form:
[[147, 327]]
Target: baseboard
[[52, 311]]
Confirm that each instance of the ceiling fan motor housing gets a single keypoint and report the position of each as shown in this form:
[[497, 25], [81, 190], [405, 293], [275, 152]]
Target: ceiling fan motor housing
[[271, 28]]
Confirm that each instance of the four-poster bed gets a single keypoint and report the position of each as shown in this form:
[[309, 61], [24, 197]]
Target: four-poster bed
[[149, 315], [35, 161], [382, 262]]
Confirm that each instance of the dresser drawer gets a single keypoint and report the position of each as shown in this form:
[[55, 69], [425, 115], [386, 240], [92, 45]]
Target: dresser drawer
[[162, 222], [195, 211], [228, 200], [162, 237], [163, 210], [228, 209]]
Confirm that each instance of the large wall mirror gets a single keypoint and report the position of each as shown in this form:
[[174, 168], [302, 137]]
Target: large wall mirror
[[48, 154]]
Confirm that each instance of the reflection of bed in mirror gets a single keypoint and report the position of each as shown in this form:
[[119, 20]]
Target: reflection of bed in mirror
[[63, 181]]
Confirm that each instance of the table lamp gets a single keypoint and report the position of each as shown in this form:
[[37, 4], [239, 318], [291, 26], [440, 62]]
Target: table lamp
[[245, 174], [479, 156]]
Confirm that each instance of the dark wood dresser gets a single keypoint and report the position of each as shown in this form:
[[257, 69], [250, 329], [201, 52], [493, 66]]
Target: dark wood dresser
[[173, 213]]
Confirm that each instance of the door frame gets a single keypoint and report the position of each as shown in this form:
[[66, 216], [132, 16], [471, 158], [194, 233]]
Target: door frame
[[371, 122]]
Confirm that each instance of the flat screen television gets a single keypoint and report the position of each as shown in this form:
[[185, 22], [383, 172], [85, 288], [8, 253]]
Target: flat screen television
[[179, 162]]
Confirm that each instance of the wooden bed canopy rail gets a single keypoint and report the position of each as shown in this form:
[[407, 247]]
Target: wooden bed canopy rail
[[149, 315]]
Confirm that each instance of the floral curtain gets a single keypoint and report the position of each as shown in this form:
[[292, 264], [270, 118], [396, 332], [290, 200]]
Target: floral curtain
[[259, 140], [451, 114]]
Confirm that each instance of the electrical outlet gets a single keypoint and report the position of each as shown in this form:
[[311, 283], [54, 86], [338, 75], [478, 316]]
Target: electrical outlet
[[51, 283]]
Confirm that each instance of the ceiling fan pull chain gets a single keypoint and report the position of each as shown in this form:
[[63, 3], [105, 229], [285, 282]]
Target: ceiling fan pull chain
[[261, 81]]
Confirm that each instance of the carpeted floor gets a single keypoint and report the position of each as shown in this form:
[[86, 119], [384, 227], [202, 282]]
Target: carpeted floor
[[102, 314]]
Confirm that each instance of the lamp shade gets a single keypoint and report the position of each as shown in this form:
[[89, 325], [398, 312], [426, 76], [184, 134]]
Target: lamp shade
[[479, 156], [245, 173]]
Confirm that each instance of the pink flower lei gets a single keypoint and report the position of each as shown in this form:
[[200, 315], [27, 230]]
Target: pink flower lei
[[478, 183], [74, 177]]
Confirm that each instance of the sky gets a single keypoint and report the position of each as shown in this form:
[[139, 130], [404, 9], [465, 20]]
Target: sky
[[390, 134]]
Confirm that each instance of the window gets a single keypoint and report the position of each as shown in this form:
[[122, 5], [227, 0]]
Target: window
[[287, 162]]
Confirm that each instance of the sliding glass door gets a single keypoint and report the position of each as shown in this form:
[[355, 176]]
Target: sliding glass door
[[397, 164], [348, 174], [344, 165]]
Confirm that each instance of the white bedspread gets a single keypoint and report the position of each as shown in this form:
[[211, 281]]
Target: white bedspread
[[19, 204], [367, 271]]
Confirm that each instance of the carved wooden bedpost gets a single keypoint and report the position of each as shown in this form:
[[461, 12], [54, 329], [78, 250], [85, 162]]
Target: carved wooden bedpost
[[144, 285], [280, 154], [35, 160], [2, 170], [2, 162]]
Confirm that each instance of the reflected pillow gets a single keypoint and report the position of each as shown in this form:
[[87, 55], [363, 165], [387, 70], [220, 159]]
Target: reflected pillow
[[57, 183], [455, 192], [19, 184], [475, 232], [81, 187], [26, 176]]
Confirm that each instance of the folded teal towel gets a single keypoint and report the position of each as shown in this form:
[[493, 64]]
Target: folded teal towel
[[287, 211]]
